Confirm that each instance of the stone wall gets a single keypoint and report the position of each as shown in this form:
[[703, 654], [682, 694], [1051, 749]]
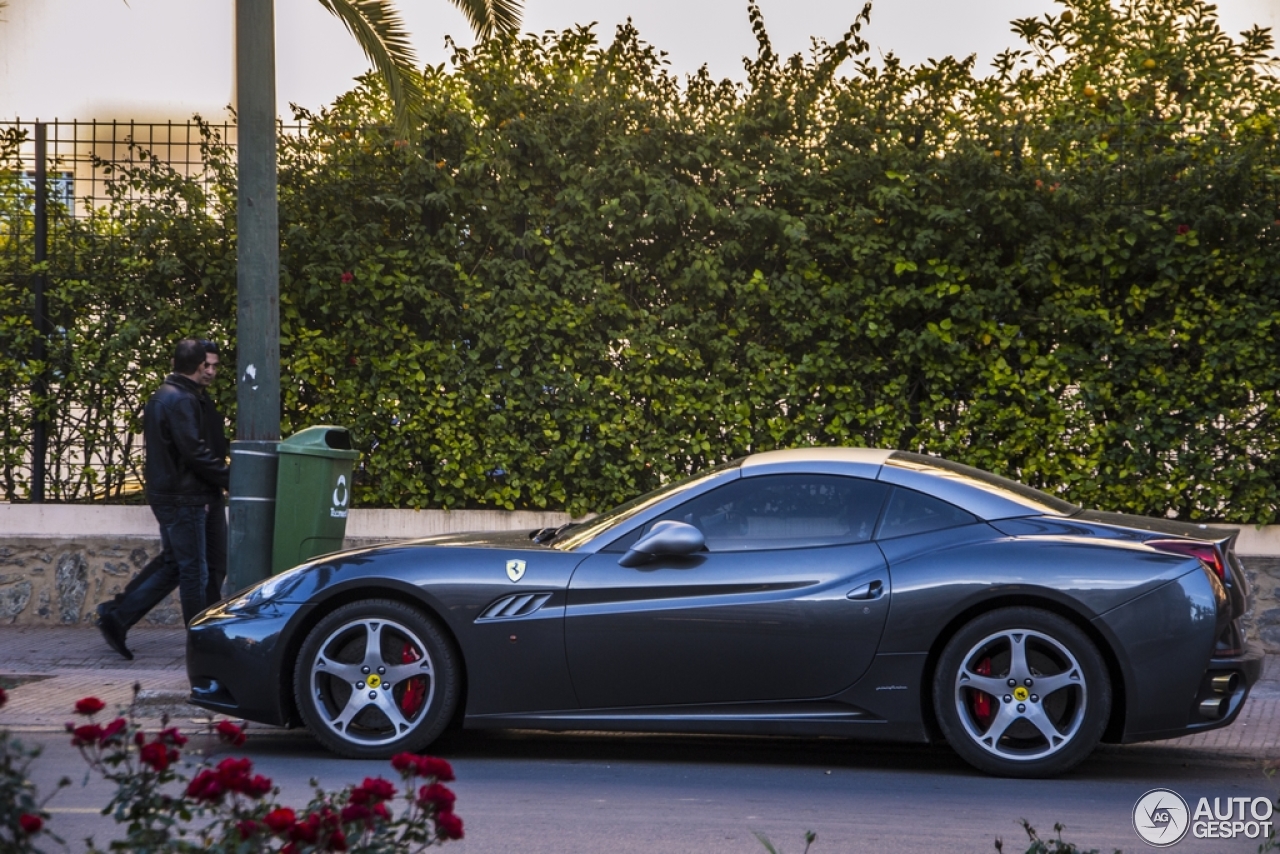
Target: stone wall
[[1263, 622], [59, 582], [47, 581]]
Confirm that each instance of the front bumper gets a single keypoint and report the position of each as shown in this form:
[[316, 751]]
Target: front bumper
[[237, 664]]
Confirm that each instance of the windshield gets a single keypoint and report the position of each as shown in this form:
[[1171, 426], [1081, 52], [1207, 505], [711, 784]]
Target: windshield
[[574, 537]]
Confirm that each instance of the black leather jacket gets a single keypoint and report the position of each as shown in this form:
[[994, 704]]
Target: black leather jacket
[[186, 448]]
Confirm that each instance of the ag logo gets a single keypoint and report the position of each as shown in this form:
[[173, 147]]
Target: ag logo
[[515, 569], [340, 492], [1160, 817]]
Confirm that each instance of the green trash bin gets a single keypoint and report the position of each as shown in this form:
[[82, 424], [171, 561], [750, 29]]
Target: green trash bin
[[313, 494]]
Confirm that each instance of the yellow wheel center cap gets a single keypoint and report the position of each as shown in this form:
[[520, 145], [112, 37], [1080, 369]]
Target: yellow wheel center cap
[[374, 681], [1020, 694]]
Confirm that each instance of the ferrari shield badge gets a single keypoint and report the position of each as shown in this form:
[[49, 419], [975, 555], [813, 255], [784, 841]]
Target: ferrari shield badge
[[515, 569]]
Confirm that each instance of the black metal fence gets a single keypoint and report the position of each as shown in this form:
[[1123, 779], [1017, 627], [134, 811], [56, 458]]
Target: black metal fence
[[55, 178]]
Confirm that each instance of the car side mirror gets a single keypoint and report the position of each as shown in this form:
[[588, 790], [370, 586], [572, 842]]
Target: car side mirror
[[665, 539]]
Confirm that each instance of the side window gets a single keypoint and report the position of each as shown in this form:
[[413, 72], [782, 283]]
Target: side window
[[911, 512], [781, 512]]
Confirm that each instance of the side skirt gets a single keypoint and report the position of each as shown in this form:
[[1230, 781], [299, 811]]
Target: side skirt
[[791, 719]]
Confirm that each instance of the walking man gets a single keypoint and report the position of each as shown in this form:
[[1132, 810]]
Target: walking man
[[186, 472]]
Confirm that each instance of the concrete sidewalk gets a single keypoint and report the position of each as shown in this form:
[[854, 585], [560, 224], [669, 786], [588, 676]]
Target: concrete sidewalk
[[46, 669]]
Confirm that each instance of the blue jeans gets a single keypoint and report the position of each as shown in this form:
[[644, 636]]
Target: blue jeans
[[215, 540], [182, 564]]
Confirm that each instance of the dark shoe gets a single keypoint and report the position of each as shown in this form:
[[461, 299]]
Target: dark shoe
[[113, 631]]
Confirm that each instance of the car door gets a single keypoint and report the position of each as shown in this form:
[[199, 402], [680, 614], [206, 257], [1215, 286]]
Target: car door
[[787, 602]]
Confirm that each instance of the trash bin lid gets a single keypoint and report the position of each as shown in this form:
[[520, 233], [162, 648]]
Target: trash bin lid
[[322, 440]]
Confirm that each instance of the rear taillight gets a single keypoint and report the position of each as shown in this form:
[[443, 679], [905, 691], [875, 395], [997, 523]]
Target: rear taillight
[[1206, 553]]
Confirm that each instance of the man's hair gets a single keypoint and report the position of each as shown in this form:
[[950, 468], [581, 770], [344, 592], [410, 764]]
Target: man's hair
[[189, 354]]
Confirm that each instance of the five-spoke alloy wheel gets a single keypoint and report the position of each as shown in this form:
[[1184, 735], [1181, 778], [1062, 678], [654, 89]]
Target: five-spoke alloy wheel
[[1021, 692], [375, 678]]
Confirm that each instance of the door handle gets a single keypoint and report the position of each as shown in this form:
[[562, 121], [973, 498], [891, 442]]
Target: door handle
[[870, 590]]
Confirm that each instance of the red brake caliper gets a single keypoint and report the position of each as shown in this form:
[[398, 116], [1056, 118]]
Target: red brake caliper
[[981, 699], [414, 693]]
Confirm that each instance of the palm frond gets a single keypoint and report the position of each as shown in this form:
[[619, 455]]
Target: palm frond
[[491, 17], [380, 32]]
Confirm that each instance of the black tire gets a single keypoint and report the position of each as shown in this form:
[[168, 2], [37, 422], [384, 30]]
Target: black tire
[[369, 700], [1016, 728]]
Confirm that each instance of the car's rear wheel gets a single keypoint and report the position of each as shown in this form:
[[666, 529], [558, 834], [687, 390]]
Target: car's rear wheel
[[376, 678], [1021, 692]]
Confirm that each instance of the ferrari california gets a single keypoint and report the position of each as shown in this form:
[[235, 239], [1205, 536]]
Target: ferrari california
[[859, 593]]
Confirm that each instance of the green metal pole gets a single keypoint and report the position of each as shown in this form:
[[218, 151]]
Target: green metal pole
[[40, 387], [253, 453]]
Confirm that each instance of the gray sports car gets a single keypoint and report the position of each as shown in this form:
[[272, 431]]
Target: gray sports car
[[831, 591]]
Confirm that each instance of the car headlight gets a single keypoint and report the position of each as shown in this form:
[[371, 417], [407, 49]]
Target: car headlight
[[268, 591]]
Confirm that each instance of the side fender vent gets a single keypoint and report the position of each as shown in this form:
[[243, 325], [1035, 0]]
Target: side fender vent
[[516, 605]]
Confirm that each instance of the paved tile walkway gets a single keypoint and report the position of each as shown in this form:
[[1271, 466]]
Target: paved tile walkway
[[55, 666]]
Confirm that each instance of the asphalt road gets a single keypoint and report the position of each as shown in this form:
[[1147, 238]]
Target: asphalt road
[[538, 792]]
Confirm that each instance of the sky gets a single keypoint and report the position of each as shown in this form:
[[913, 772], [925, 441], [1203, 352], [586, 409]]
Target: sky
[[167, 59]]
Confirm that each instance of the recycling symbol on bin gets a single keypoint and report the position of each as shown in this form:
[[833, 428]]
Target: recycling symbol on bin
[[340, 493]]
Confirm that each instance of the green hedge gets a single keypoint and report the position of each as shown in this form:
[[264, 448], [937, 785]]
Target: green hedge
[[582, 275]]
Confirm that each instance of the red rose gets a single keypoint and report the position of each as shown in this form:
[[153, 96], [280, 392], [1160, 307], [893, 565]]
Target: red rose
[[356, 812], [359, 812], [247, 828], [306, 830], [257, 787], [172, 736], [437, 795], [155, 755], [280, 820], [205, 786], [233, 776], [410, 765], [30, 824], [432, 766], [337, 841], [234, 769], [373, 789], [230, 733], [347, 277], [86, 734], [113, 729], [89, 706], [1183, 229], [4, 697], [448, 826]]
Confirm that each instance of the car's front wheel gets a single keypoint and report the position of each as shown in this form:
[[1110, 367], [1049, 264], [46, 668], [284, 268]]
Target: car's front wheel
[[375, 678], [1021, 692]]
